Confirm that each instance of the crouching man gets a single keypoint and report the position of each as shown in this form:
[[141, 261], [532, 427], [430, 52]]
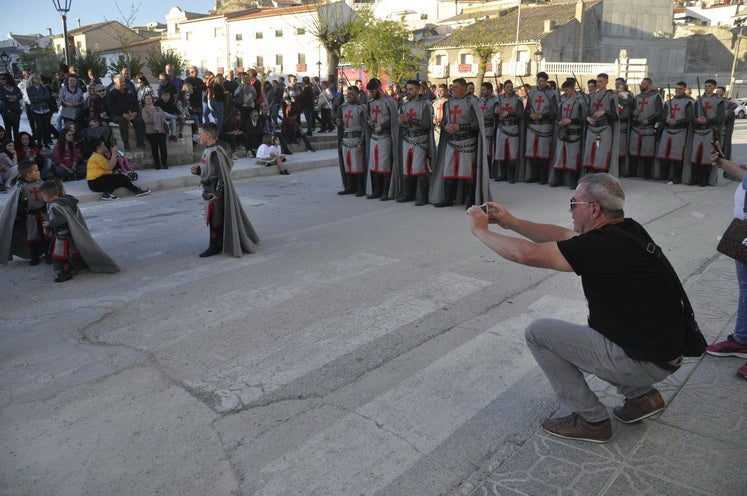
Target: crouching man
[[634, 337]]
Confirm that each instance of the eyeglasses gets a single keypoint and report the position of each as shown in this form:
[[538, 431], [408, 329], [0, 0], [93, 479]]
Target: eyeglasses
[[575, 202]]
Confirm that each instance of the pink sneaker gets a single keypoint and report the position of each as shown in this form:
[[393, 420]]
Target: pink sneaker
[[742, 371], [730, 347]]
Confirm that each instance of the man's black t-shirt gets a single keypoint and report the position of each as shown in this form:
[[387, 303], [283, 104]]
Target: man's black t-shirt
[[633, 299]]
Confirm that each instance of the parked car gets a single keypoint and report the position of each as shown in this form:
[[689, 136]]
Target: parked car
[[741, 107]]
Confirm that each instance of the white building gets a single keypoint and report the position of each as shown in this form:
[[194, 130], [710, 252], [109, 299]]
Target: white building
[[276, 41], [417, 13]]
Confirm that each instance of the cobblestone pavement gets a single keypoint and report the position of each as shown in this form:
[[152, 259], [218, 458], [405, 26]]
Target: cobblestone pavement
[[698, 445]]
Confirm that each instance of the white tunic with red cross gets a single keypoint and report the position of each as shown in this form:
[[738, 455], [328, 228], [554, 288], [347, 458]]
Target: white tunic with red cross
[[540, 133], [30, 196], [643, 136], [415, 135], [460, 157], [712, 107], [353, 118], [598, 145], [568, 147], [380, 147], [507, 129], [674, 136]]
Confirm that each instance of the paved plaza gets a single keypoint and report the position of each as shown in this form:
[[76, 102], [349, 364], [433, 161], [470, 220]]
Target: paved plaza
[[367, 348]]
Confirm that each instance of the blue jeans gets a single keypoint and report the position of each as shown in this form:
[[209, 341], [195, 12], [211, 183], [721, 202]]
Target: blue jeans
[[275, 113], [216, 108], [564, 351], [308, 115], [740, 328]]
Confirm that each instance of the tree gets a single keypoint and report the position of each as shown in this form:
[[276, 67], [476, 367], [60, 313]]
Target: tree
[[40, 59], [134, 63], [384, 48], [334, 25], [126, 37], [90, 60], [157, 61], [477, 36]]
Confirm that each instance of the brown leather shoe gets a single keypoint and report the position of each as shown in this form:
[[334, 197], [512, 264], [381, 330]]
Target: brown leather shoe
[[636, 409], [575, 427]]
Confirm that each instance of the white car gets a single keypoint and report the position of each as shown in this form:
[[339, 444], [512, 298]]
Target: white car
[[741, 107]]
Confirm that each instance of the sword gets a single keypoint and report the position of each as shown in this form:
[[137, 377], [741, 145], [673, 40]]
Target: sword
[[580, 89], [669, 92], [699, 95]]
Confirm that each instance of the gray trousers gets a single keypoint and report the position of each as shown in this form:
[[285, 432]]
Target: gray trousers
[[565, 351]]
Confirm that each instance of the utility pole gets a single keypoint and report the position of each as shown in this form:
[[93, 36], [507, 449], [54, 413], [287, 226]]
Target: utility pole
[[740, 24]]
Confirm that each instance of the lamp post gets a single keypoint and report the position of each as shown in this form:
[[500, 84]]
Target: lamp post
[[63, 7], [4, 59], [319, 70], [739, 24], [538, 58]]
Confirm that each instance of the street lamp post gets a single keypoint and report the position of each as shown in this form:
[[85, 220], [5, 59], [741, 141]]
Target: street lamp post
[[63, 7], [538, 58], [4, 59]]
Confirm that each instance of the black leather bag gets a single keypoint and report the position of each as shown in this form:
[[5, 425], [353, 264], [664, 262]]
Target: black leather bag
[[695, 343], [733, 242]]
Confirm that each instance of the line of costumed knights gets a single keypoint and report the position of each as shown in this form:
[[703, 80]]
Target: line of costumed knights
[[414, 153], [444, 152]]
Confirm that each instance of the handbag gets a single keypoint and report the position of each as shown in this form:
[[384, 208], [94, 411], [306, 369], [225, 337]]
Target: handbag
[[695, 343], [733, 242]]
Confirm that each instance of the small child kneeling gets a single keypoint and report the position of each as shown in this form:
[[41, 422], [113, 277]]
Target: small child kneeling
[[72, 244]]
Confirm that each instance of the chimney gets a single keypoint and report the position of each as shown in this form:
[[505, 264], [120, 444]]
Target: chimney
[[49, 31], [580, 11], [78, 19], [549, 25]]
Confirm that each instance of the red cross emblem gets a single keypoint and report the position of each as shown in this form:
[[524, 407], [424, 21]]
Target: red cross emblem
[[538, 103], [376, 110], [456, 111], [35, 193], [411, 113], [643, 103], [567, 110], [597, 105], [348, 118], [675, 108]]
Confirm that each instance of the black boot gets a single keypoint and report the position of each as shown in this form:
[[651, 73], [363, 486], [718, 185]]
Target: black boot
[[360, 182], [216, 243], [510, 172], [376, 180], [664, 171], [644, 169], [556, 178], [469, 194], [705, 172], [676, 172], [349, 185], [385, 183], [542, 171], [449, 191], [35, 250], [421, 195], [66, 274], [533, 167], [408, 191], [500, 173]]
